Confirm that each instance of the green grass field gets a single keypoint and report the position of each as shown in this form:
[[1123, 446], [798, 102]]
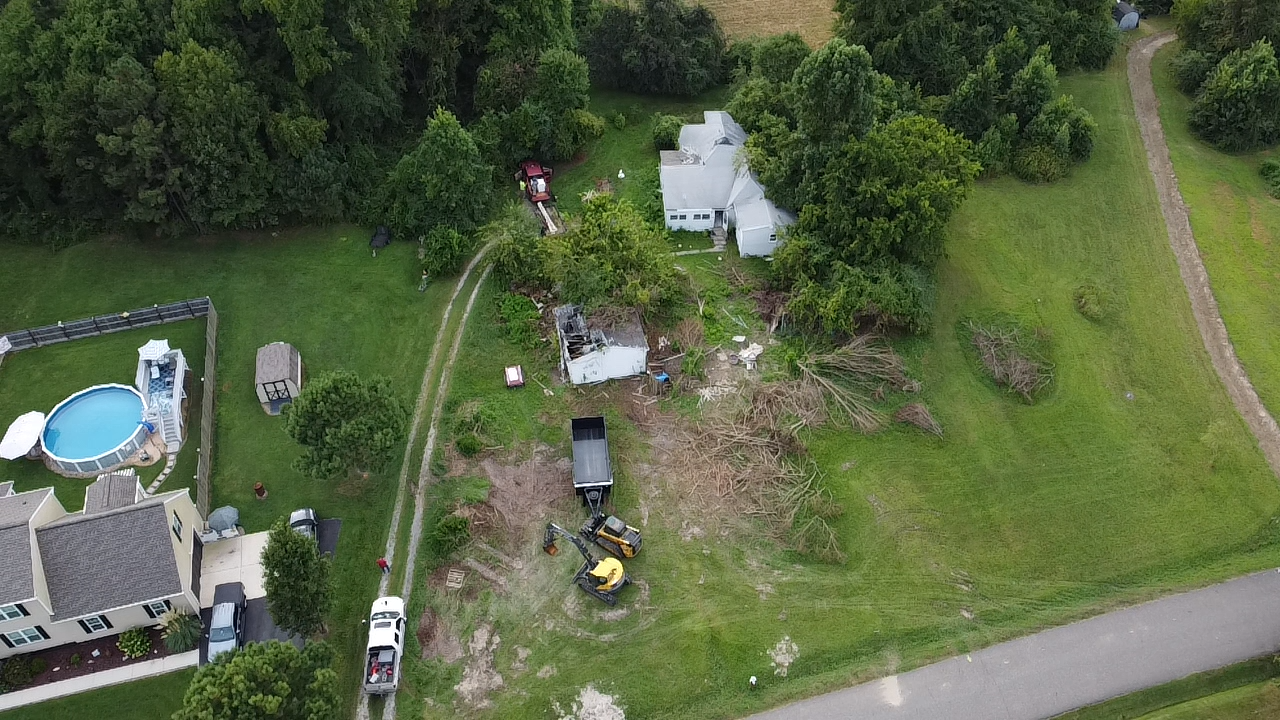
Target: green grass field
[[318, 289], [1023, 516], [157, 697], [1245, 690], [1237, 226]]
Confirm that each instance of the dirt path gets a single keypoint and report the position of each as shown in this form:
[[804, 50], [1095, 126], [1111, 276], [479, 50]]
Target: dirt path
[[1203, 305], [419, 410]]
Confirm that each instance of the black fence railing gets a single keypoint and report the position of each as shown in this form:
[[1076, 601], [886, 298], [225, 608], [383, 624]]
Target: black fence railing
[[103, 324]]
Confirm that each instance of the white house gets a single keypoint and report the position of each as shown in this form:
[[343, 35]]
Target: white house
[[706, 185], [120, 563], [592, 352]]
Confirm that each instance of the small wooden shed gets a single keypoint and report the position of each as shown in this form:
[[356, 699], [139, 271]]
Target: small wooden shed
[[278, 377]]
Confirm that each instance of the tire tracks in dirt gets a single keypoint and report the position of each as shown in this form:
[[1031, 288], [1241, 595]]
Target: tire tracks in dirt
[[420, 406], [1204, 307]]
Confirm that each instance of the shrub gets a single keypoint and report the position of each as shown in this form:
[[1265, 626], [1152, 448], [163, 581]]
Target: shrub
[[181, 631], [1041, 163], [451, 533], [666, 131], [519, 316], [19, 671], [618, 119], [75, 660], [1270, 171], [1190, 68], [134, 643], [995, 149], [1238, 107], [446, 250], [469, 445], [694, 363], [1089, 301]]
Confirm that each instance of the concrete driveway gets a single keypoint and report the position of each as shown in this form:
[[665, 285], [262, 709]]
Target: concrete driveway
[[237, 559]]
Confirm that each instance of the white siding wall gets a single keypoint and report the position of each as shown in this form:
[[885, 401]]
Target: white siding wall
[[608, 363], [701, 219], [755, 242]]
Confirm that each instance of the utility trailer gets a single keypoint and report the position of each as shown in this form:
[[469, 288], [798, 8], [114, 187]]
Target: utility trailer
[[592, 471], [536, 181], [386, 646]]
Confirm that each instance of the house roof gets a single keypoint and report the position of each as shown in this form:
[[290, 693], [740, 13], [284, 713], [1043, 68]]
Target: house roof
[[717, 129], [6, 489], [277, 361], [86, 557], [761, 212], [16, 509], [701, 174], [111, 491]]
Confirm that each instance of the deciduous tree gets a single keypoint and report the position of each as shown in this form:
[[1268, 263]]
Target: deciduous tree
[[345, 423], [441, 182]]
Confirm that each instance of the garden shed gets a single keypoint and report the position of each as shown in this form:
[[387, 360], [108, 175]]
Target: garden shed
[[604, 348], [278, 377], [1126, 16]]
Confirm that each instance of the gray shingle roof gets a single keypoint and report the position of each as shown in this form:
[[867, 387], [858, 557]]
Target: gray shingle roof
[[111, 559], [6, 489], [15, 564], [277, 361], [110, 492], [18, 509]]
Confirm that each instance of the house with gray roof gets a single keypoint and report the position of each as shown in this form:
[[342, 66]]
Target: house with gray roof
[[120, 563], [707, 185]]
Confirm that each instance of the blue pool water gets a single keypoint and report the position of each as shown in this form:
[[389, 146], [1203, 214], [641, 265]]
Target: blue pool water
[[92, 422]]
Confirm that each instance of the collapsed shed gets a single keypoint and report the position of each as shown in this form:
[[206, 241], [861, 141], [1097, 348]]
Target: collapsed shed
[[600, 349]]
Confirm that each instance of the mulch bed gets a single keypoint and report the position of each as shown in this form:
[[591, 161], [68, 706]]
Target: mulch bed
[[59, 664]]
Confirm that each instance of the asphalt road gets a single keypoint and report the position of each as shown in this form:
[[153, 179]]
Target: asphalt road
[[1073, 666], [258, 627]]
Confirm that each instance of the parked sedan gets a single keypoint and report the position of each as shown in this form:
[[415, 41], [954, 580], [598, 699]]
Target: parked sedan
[[226, 627], [304, 521]]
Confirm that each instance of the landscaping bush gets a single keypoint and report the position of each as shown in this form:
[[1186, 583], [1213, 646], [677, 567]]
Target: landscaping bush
[[1089, 301], [134, 643], [519, 317], [666, 131], [75, 660], [1041, 163], [181, 631], [1270, 171], [19, 671], [1190, 68], [469, 445], [618, 119], [451, 533]]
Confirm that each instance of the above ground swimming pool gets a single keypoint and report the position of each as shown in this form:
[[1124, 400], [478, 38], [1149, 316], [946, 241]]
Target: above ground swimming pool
[[95, 430]]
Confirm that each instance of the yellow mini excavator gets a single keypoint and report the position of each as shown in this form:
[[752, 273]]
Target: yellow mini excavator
[[603, 578], [611, 534]]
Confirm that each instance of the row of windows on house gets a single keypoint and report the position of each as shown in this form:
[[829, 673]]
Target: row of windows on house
[[90, 625], [696, 216]]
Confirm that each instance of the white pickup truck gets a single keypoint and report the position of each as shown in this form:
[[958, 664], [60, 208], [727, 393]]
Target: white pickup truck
[[386, 646]]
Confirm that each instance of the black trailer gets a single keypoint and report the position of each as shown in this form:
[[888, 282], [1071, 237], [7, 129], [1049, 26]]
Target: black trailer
[[592, 471]]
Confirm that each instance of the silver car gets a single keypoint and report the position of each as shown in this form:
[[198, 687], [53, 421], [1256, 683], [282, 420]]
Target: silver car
[[304, 521], [226, 627]]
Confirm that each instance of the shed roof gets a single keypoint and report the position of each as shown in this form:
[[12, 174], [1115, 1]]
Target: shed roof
[[111, 491], [277, 361], [111, 559]]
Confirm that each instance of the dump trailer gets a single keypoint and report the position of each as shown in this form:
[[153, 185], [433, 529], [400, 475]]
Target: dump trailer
[[592, 471], [536, 181], [386, 646]]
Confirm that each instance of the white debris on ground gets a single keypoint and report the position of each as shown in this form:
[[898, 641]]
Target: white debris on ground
[[547, 671], [479, 677], [764, 590], [783, 654], [592, 705], [711, 393]]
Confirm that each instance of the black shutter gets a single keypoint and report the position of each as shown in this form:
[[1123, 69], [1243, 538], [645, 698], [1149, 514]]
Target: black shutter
[[147, 609], [43, 634], [105, 621], [5, 638], [85, 627], [21, 609]]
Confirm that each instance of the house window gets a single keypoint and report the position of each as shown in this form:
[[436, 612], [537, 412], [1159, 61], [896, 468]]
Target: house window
[[684, 217], [675, 217], [773, 238], [156, 609], [95, 624], [25, 636], [177, 527], [12, 612]]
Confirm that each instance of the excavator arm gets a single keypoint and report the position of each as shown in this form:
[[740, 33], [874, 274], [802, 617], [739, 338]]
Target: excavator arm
[[549, 541]]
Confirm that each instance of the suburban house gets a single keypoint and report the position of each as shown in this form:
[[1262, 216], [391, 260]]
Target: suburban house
[[121, 562], [706, 185], [592, 351]]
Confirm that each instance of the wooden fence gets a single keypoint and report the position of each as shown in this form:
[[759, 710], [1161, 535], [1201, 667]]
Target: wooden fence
[[146, 317]]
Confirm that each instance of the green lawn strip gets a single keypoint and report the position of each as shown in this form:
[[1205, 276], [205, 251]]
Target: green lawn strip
[[318, 289], [155, 697], [1236, 226], [1193, 696], [1025, 516], [40, 378]]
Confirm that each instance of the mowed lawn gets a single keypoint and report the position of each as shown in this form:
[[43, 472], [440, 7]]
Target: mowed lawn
[[319, 289], [1237, 228], [1132, 477]]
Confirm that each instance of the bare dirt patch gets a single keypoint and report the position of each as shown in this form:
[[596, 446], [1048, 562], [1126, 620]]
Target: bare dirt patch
[[480, 678], [521, 663], [437, 640], [521, 494], [591, 704], [546, 672], [782, 655]]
